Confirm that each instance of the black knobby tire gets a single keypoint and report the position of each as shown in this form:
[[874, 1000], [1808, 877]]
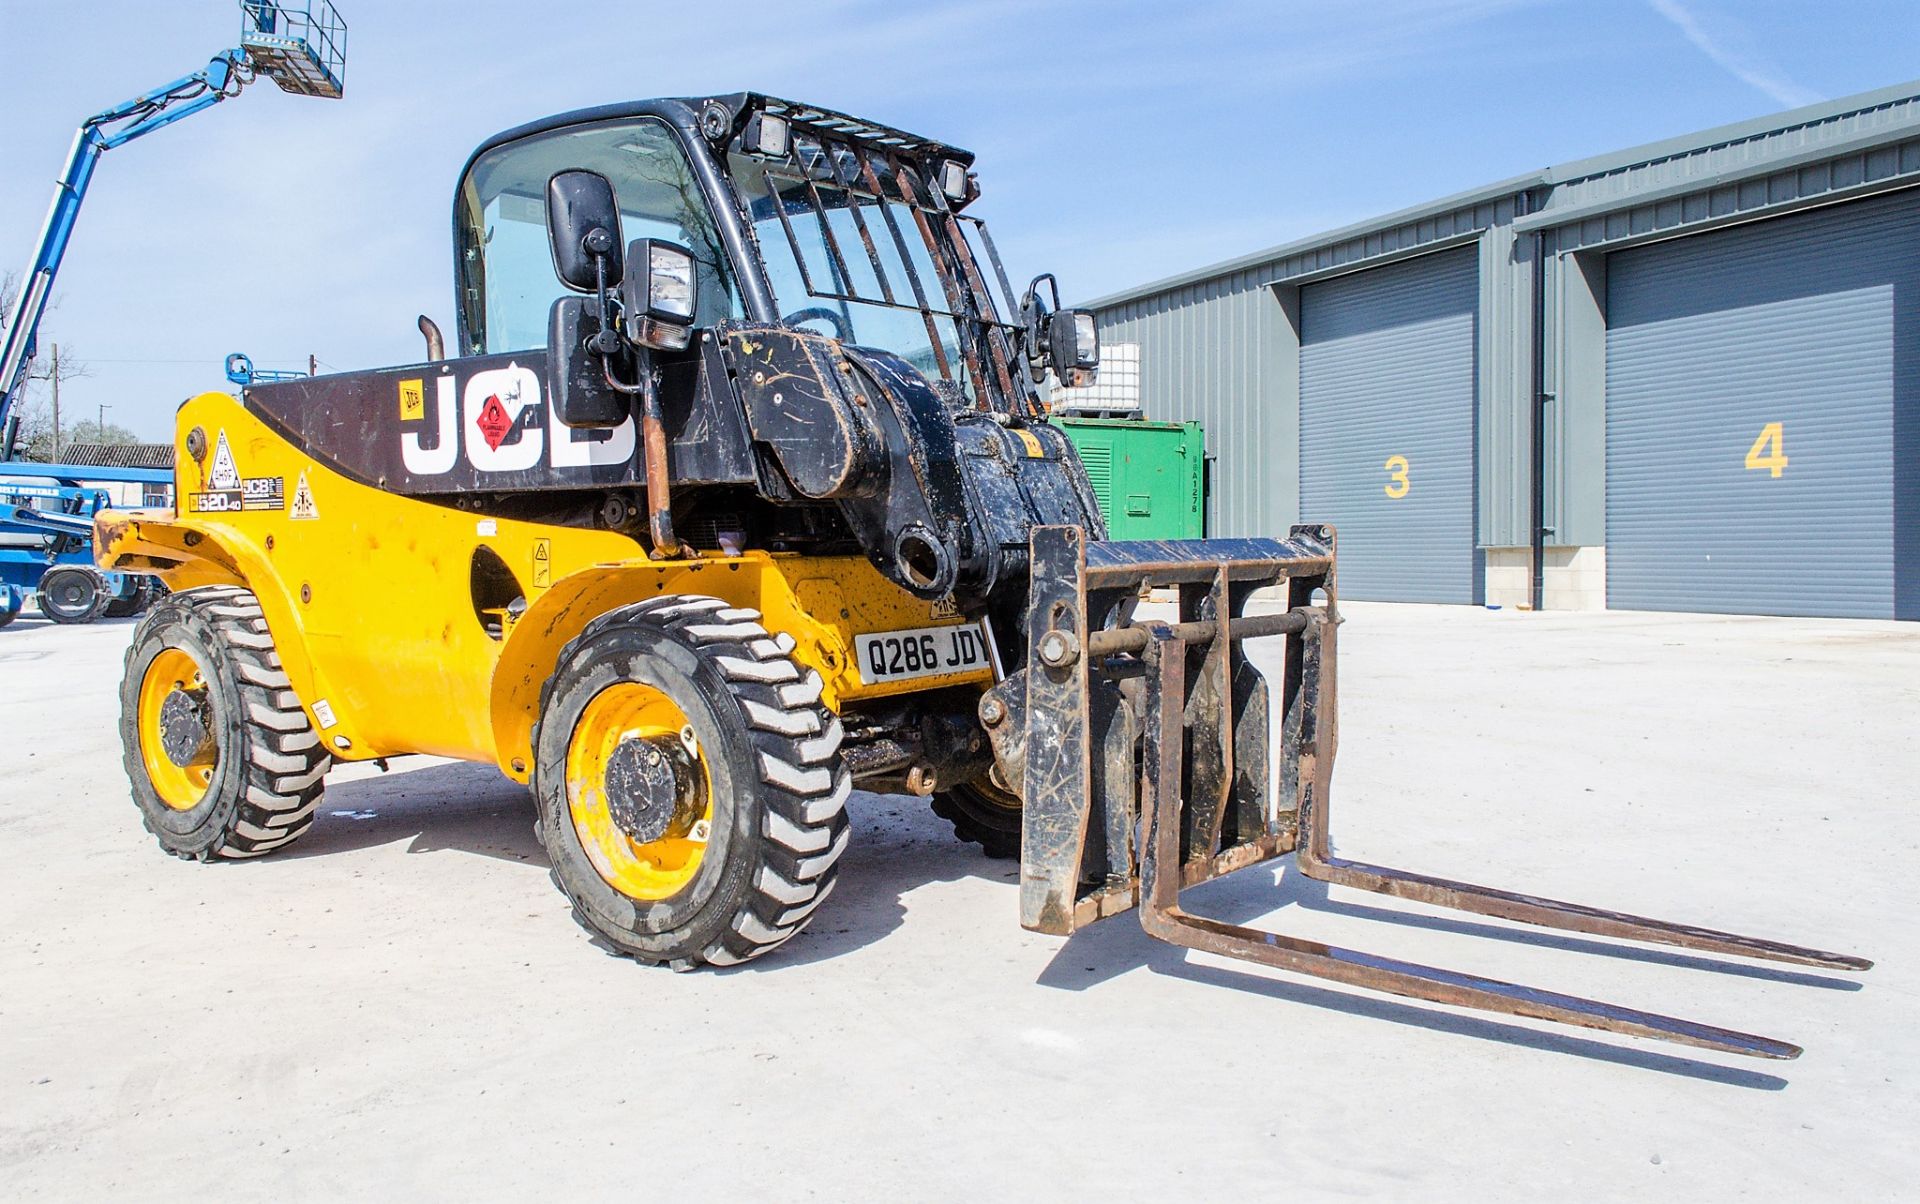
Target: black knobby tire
[[772, 754], [984, 814], [270, 768], [72, 594], [134, 603]]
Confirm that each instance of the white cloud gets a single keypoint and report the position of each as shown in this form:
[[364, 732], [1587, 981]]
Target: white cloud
[[1739, 62]]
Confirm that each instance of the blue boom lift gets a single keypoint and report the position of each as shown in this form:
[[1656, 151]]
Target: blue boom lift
[[46, 529], [46, 544]]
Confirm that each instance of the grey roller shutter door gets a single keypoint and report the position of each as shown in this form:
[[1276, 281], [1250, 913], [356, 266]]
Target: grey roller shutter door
[[1808, 322], [1387, 369]]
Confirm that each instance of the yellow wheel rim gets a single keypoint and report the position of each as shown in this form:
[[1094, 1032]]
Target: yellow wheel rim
[[650, 870], [180, 787]]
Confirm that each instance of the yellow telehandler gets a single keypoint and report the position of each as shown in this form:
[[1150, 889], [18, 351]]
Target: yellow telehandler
[[737, 492]]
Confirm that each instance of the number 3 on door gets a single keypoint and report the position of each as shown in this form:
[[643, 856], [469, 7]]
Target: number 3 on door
[[1773, 437], [1397, 480]]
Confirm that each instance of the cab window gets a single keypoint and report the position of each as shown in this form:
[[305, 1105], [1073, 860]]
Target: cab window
[[506, 279]]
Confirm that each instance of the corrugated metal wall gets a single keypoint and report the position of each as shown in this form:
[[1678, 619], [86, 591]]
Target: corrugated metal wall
[[1221, 354], [1758, 380], [1387, 424], [1220, 345]]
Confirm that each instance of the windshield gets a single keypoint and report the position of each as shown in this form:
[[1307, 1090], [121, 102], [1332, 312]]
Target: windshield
[[507, 281], [857, 247]]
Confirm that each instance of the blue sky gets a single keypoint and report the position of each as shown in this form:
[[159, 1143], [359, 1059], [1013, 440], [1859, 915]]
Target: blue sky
[[1119, 142]]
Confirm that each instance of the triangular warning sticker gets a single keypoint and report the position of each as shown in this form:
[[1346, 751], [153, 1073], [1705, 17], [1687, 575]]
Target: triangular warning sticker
[[303, 508], [224, 474]]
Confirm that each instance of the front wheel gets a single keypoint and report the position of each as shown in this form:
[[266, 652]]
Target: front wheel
[[689, 783]]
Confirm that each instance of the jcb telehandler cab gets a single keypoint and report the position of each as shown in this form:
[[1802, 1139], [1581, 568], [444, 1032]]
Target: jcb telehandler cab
[[739, 492]]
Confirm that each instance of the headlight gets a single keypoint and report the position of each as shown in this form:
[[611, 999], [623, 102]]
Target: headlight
[[670, 283], [1086, 340], [659, 294], [1073, 346]]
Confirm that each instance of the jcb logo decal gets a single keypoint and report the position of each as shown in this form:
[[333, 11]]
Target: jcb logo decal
[[503, 424]]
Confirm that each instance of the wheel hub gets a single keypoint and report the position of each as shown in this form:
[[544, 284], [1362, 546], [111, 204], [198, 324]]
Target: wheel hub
[[649, 789], [185, 735]]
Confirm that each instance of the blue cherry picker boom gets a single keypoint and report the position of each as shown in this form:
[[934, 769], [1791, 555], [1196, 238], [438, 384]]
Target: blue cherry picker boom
[[301, 46]]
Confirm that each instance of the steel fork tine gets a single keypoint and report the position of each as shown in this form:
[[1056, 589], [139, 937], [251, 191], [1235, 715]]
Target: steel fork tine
[[1162, 917]]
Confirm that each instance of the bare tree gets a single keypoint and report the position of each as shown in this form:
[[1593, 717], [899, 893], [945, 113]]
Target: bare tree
[[40, 433]]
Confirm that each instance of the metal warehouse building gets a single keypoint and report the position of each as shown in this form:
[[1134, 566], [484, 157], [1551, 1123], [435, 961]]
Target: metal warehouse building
[[1680, 377]]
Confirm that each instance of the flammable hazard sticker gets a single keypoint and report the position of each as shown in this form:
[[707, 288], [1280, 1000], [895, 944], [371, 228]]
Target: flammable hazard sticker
[[304, 510]]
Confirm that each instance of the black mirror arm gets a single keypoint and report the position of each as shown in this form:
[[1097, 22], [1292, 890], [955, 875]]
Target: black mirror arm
[[605, 341]]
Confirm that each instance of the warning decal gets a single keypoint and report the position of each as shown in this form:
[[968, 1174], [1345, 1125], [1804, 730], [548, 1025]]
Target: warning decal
[[413, 400], [303, 508], [494, 422], [224, 474], [542, 563]]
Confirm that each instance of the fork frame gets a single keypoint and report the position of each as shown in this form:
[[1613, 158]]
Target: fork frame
[[1181, 702]]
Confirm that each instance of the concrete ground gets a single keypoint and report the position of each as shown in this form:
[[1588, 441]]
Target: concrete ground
[[400, 1005]]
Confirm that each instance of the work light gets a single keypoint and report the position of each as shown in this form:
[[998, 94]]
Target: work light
[[767, 136], [658, 297]]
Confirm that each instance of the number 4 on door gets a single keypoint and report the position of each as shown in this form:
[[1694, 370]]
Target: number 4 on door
[[1773, 438]]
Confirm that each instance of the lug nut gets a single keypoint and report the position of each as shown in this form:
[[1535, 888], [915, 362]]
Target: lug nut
[[1058, 650]]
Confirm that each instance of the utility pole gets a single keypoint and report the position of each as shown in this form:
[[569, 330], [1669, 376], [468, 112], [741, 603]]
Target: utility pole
[[55, 457], [100, 431], [313, 365]]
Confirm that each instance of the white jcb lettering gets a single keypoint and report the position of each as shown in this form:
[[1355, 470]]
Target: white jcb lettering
[[503, 423], [432, 461]]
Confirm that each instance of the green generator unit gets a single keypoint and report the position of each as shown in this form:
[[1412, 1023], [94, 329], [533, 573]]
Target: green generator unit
[[1150, 477]]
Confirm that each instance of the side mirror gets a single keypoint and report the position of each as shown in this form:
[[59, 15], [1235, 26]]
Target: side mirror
[[583, 224], [659, 296], [1073, 347]]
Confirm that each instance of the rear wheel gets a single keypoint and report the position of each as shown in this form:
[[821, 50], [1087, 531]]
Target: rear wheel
[[222, 758], [72, 595], [984, 814], [689, 783]]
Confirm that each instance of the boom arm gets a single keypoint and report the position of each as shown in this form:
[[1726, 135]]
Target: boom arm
[[300, 46], [223, 77]]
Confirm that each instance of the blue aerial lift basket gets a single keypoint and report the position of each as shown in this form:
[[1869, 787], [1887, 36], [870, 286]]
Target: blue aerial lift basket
[[301, 47]]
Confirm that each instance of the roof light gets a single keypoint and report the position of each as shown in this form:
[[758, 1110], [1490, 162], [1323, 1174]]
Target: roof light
[[953, 179], [767, 136]]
